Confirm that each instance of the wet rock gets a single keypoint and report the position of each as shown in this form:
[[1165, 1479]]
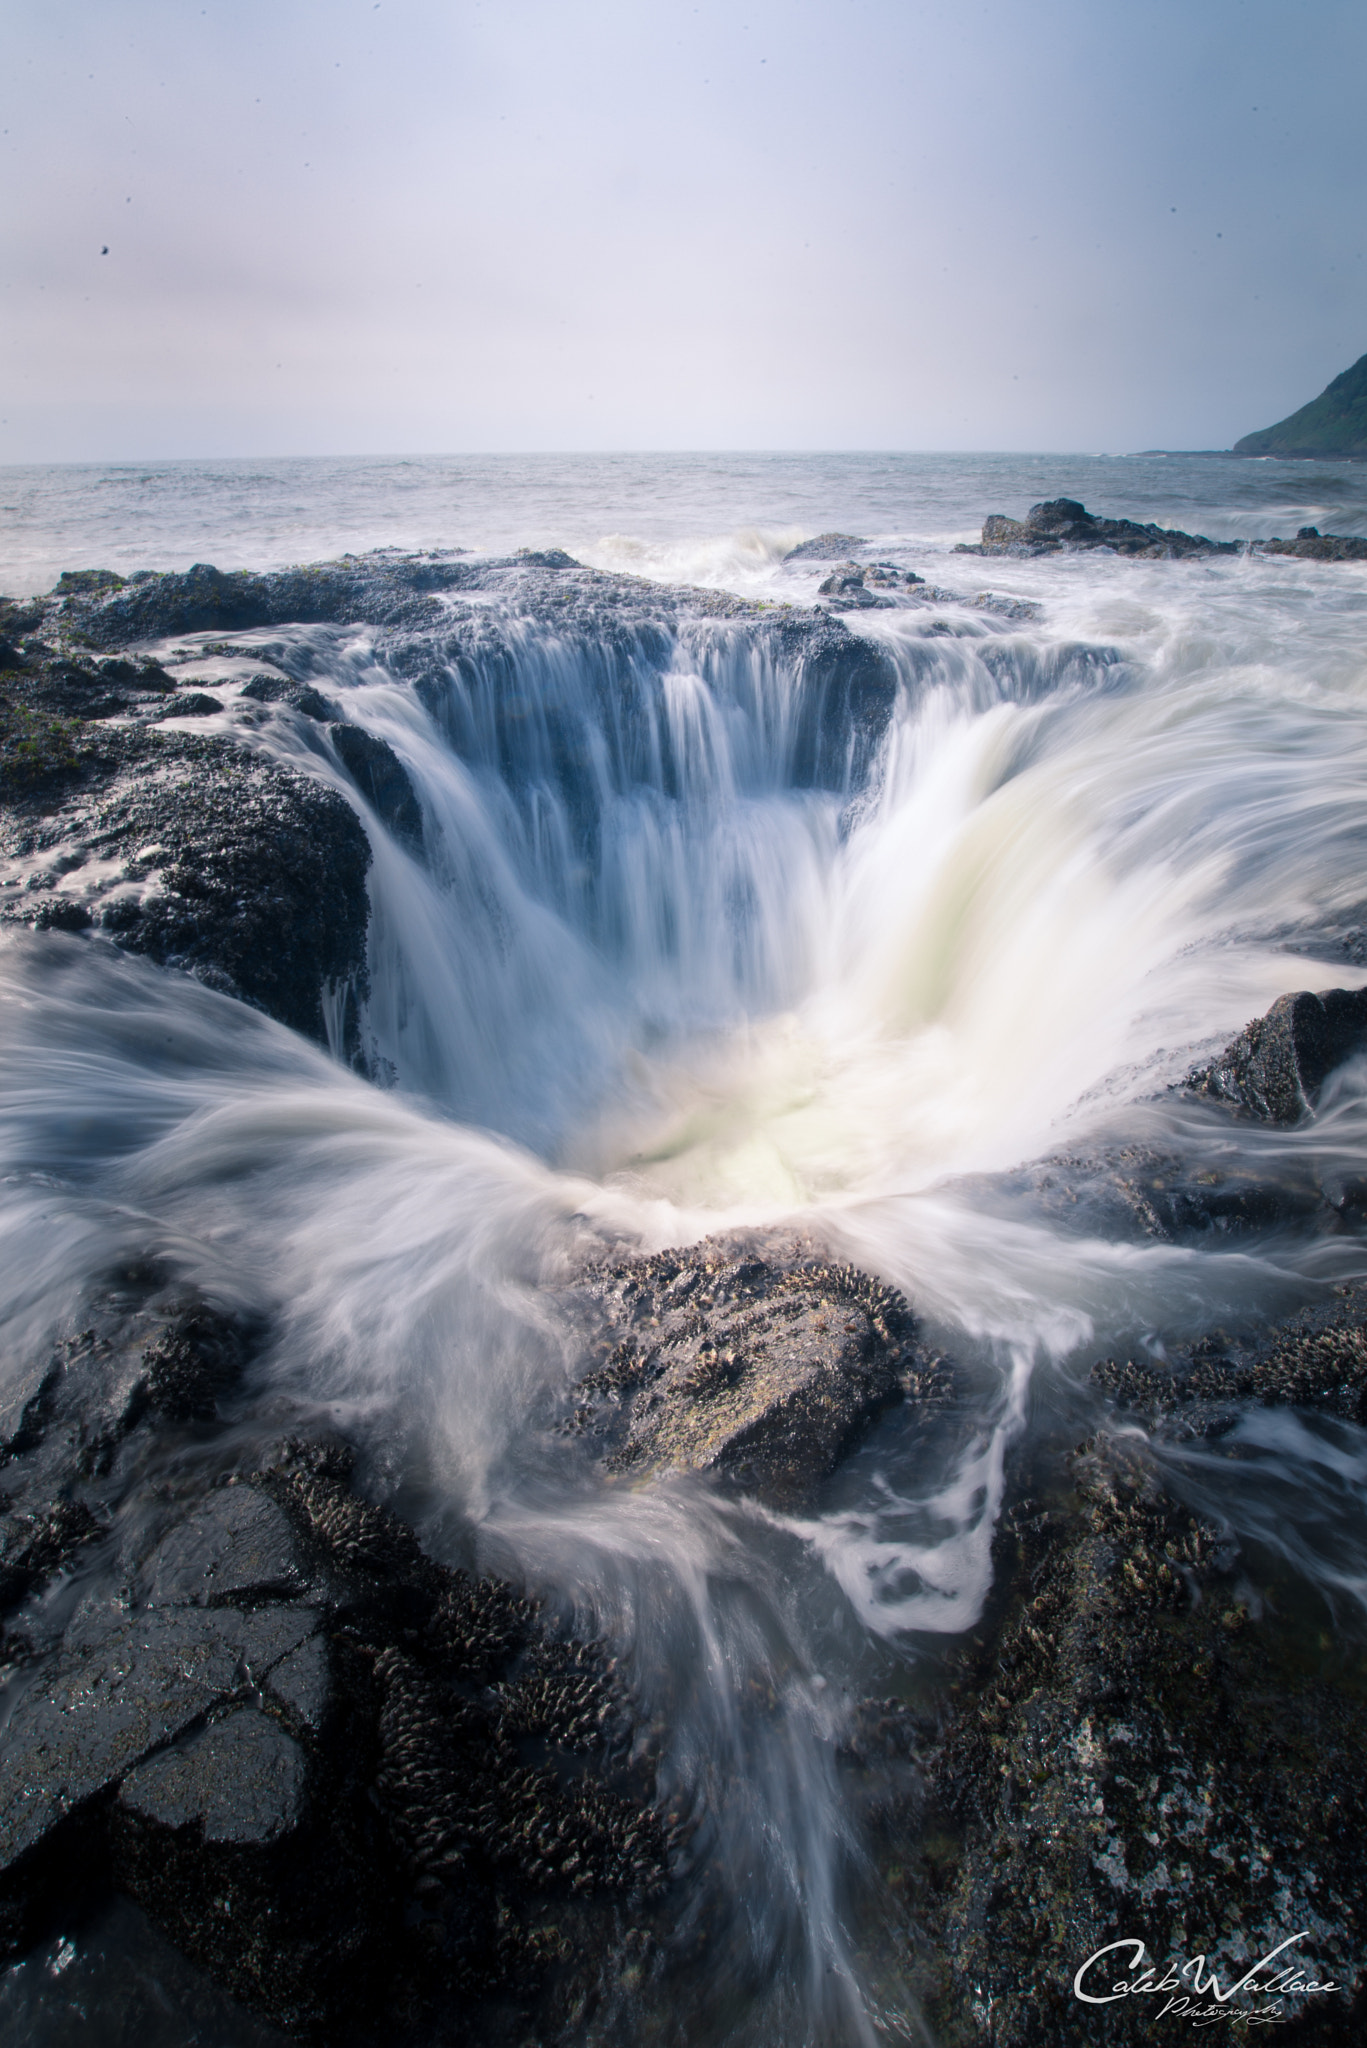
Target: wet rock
[[194, 1361], [374, 590], [1133, 1193], [302, 1684], [545, 558], [33, 1547], [239, 1780], [1317, 1360], [150, 1354], [97, 1711], [301, 697], [1019, 610], [249, 875], [87, 582], [350, 1783], [382, 779], [826, 547], [240, 1542], [1314, 546], [1277, 1064], [1132, 1755], [760, 1363], [846, 590], [191, 704], [1065, 523]]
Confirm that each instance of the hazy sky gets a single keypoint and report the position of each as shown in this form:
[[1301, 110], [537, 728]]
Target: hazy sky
[[439, 225]]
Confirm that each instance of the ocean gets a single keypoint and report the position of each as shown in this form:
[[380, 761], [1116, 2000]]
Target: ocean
[[1117, 810]]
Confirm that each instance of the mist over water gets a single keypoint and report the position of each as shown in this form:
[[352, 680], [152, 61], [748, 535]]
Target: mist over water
[[671, 961]]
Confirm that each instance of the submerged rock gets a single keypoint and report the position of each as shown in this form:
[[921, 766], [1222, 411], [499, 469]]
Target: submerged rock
[[1278, 1063], [759, 1362], [1064, 523]]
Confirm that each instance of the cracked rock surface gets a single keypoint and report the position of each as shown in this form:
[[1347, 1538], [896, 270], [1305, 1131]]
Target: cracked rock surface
[[351, 1784]]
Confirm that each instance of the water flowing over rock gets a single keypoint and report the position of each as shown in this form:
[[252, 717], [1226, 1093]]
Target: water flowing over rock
[[1313, 546], [539, 1526], [1278, 1063], [757, 1361], [348, 1781], [1119, 1767]]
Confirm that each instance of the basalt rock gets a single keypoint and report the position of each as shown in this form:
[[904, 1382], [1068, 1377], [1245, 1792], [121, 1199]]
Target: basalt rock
[[301, 697], [1317, 1361], [359, 1789], [758, 1363], [1133, 1754], [374, 590], [1276, 1066], [1314, 546], [1064, 523], [1137, 1193], [188, 849], [825, 547], [856, 587], [382, 779]]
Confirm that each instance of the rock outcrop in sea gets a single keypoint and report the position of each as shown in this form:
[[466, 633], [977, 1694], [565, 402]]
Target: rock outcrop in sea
[[1064, 523]]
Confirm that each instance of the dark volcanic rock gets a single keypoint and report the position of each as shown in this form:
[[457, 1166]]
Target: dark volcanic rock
[[1314, 546], [846, 591], [249, 875], [1131, 1193], [239, 1544], [373, 590], [1064, 523], [100, 1708], [826, 547], [1133, 1757], [301, 697], [758, 1364], [1277, 1064], [545, 558], [191, 704], [358, 1788], [1318, 1361], [240, 1780], [382, 779]]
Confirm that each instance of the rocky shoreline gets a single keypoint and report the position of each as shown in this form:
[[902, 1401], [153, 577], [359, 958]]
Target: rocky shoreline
[[1063, 524], [369, 1793]]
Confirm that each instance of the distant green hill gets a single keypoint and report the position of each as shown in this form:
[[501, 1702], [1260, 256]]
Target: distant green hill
[[1335, 423]]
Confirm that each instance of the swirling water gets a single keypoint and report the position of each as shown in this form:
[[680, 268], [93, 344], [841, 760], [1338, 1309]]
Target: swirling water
[[674, 959]]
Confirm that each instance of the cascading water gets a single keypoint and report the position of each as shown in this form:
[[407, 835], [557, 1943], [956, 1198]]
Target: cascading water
[[706, 930]]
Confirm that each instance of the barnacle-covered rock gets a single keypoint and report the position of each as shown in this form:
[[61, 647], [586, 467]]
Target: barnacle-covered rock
[[760, 1362]]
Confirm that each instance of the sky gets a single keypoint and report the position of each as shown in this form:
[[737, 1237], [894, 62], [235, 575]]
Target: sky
[[292, 227]]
